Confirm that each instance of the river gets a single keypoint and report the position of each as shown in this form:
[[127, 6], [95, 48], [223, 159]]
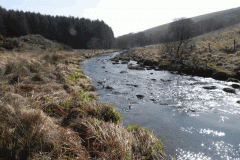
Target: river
[[192, 122]]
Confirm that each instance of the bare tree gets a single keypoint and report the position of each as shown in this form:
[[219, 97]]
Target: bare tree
[[93, 44], [122, 44], [180, 31], [141, 39]]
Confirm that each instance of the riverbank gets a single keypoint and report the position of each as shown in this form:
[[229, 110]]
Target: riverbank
[[49, 110], [213, 55]]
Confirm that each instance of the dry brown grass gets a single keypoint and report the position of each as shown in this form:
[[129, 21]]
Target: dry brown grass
[[113, 141], [48, 110], [221, 56]]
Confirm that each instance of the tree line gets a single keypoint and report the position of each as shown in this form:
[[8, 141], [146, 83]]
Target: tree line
[[196, 29], [79, 33]]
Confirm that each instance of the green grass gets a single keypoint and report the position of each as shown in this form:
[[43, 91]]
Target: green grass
[[73, 76], [112, 114], [133, 128], [66, 104]]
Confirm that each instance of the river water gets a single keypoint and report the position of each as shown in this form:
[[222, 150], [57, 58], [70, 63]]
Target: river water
[[192, 122]]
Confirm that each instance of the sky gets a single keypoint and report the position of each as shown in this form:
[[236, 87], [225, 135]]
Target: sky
[[123, 16]]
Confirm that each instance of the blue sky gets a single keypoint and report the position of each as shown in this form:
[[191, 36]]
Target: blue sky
[[123, 16]]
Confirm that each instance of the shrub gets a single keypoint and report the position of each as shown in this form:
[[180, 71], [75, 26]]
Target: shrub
[[10, 67], [110, 113], [133, 128], [15, 43]]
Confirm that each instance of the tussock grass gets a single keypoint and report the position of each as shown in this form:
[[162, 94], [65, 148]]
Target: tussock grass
[[49, 110], [113, 141]]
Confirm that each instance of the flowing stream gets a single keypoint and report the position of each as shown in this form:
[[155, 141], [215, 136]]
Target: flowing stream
[[192, 122]]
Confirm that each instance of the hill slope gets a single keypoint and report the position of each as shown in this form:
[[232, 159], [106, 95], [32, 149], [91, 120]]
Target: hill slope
[[224, 15]]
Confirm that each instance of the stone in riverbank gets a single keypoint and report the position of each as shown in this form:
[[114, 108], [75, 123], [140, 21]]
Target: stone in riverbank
[[220, 76], [124, 62], [150, 63], [146, 62], [138, 67], [232, 80]]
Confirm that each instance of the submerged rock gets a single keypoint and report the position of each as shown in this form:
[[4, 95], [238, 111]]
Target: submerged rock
[[123, 72], [116, 93], [134, 85], [164, 104], [165, 80]]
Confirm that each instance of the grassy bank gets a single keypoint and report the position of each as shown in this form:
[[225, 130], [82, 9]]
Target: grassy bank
[[49, 110], [213, 51]]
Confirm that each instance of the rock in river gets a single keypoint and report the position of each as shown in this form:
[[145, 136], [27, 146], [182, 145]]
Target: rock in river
[[210, 87], [229, 90], [123, 72], [124, 62], [235, 85], [140, 96], [232, 80], [199, 83], [109, 87]]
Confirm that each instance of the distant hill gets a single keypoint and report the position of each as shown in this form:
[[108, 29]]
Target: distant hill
[[225, 15], [202, 24]]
